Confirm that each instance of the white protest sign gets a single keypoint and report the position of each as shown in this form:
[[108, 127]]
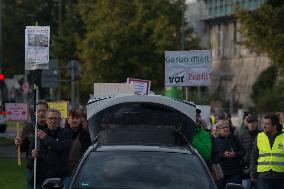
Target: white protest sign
[[112, 89], [37, 47], [16, 111], [187, 68], [140, 86]]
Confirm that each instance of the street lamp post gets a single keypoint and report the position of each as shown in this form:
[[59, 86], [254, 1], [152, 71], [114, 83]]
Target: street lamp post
[[1, 54]]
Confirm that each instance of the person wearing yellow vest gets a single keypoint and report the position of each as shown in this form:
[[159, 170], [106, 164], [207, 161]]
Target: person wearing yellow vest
[[267, 160]]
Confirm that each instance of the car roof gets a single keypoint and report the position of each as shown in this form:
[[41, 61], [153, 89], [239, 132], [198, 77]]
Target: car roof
[[176, 149], [96, 105]]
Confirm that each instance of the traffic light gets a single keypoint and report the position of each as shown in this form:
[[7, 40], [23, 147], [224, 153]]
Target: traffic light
[[2, 77]]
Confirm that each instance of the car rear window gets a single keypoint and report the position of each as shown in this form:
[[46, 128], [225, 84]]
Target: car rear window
[[142, 170]]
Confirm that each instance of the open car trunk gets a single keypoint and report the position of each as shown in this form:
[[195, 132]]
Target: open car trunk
[[141, 119]]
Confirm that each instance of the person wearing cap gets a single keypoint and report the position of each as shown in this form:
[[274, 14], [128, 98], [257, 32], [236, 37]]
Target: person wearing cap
[[247, 139], [243, 126], [201, 140], [267, 160]]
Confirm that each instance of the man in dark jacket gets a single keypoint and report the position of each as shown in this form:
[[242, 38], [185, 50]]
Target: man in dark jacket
[[247, 138], [28, 135], [52, 153], [267, 160]]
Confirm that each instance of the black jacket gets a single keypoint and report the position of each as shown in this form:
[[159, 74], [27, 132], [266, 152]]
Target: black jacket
[[84, 138], [27, 138], [247, 138], [53, 154], [230, 166]]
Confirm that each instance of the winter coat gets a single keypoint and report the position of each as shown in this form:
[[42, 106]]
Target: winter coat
[[80, 142], [201, 141], [230, 166], [53, 154], [247, 139], [27, 139]]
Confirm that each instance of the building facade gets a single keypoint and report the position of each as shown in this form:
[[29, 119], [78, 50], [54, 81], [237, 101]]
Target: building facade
[[234, 67]]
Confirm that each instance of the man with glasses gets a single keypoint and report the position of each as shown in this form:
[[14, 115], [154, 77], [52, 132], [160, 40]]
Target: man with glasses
[[52, 153], [28, 136], [267, 160]]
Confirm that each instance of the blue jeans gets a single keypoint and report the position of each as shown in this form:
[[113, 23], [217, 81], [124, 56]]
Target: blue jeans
[[247, 184], [221, 184], [269, 183], [30, 179]]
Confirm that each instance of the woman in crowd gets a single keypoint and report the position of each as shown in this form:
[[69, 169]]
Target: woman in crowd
[[214, 132], [228, 153], [80, 142]]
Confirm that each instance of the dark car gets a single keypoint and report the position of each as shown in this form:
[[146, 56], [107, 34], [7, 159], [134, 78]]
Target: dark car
[[140, 142], [141, 167]]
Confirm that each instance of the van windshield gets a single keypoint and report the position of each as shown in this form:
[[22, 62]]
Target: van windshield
[[142, 170]]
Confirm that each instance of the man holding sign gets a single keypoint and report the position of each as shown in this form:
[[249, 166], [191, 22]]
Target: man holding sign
[[52, 153], [28, 136]]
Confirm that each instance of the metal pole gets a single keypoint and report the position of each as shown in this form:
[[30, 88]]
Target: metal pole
[[36, 96], [36, 142], [1, 54], [73, 85], [182, 39]]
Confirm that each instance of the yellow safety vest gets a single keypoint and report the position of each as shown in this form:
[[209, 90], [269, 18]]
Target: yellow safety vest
[[283, 127], [270, 159], [213, 119]]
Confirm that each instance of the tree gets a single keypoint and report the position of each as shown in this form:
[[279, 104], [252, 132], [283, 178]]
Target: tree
[[264, 30], [16, 16], [128, 38]]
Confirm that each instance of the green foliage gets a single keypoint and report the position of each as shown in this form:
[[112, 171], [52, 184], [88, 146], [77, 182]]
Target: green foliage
[[265, 82], [64, 43], [16, 16], [127, 39], [264, 30], [271, 101], [267, 93]]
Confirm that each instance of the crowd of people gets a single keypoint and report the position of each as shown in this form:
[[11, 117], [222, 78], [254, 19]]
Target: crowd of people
[[243, 155], [58, 149]]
